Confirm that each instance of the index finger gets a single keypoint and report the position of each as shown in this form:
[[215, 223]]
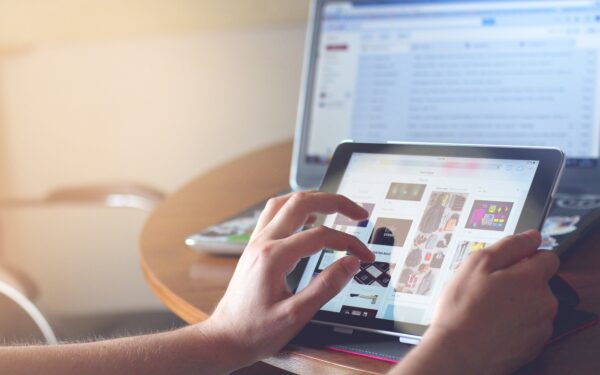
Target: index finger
[[310, 241], [300, 206]]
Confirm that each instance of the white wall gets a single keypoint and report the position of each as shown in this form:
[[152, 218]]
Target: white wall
[[158, 110]]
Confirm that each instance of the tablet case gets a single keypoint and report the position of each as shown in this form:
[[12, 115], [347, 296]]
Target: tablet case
[[571, 217], [569, 320]]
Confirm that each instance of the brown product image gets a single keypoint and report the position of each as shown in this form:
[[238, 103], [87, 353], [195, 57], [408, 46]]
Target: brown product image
[[414, 258], [406, 192], [390, 232], [434, 213]]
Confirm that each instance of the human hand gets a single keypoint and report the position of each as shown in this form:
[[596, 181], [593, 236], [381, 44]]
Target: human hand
[[495, 314], [258, 314]]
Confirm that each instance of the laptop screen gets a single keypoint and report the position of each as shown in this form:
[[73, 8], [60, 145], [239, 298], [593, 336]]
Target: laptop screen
[[485, 72]]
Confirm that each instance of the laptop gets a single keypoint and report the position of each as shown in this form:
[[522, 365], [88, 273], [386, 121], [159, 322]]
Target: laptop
[[499, 72]]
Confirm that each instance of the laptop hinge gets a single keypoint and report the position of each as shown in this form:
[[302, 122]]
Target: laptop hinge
[[409, 340], [345, 330]]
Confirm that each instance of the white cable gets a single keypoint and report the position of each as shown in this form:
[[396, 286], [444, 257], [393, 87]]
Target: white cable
[[30, 309]]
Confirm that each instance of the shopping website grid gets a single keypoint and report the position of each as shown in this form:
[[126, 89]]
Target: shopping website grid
[[493, 72], [427, 214]]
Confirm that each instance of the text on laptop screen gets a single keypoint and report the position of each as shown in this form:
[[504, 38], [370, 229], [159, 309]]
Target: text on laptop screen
[[427, 214], [484, 72]]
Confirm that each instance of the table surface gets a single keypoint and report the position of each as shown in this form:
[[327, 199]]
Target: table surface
[[191, 284]]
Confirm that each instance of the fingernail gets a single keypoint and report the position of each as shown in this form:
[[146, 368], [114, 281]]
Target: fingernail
[[533, 234], [351, 264]]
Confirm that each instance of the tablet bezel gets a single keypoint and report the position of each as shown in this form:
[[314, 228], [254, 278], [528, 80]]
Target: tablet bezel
[[537, 204]]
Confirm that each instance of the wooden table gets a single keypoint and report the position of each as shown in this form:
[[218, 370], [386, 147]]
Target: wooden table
[[191, 284]]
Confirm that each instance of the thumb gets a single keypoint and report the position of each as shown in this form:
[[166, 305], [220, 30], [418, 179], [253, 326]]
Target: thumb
[[325, 286]]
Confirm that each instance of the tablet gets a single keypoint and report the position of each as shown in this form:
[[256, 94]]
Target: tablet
[[430, 206]]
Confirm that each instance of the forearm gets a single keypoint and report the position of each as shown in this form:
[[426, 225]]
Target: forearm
[[190, 350]]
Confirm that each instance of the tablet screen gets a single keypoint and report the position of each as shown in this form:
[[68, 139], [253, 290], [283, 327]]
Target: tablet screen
[[427, 214]]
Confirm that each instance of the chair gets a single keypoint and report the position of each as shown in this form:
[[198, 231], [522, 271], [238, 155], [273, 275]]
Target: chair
[[14, 288], [20, 289], [122, 195]]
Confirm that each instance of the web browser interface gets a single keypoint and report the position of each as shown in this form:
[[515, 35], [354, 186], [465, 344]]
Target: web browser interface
[[485, 72], [427, 214]]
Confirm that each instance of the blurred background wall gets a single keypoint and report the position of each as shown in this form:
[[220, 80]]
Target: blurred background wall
[[152, 91]]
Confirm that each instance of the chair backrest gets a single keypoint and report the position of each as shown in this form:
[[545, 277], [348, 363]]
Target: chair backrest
[[121, 195], [129, 195], [26, 306]]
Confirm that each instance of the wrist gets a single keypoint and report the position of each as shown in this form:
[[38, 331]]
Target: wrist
[[439, 352], [219, 351]]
